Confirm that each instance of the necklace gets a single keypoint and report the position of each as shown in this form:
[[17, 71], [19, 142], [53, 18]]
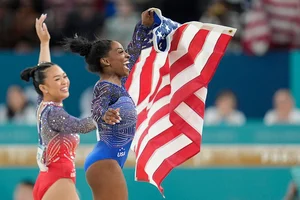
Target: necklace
[[52, 103]]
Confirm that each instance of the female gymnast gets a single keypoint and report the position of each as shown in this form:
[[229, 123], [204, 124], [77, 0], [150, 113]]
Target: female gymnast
[[112, 108], [57, 129]]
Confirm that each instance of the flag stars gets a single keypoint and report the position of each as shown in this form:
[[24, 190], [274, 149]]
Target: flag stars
[[159, 34], [167, 28]]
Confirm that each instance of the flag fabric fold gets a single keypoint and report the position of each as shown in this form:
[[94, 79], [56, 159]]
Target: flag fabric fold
[[169, 86]]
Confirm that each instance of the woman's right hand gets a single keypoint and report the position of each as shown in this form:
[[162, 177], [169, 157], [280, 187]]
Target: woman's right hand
[[112, 116], [41, 29]]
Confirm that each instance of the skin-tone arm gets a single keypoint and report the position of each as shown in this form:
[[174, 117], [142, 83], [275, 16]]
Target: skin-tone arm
[[44, 36]]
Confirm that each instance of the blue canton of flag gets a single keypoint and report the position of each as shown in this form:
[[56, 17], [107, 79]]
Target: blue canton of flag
[[158, 36]]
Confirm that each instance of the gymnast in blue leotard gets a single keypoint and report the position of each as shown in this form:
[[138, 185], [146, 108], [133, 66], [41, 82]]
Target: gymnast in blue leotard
[[112, 108], [114, 140]]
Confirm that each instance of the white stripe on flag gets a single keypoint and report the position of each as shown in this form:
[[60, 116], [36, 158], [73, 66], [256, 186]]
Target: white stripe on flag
[[153, 109], [164, 152], [190, 116], [158, 63], [157, 128], [195, 69], [185, 40], [134, 89], [164, 82], [161, 59], [158, 105], [138, 133], [201, 94]]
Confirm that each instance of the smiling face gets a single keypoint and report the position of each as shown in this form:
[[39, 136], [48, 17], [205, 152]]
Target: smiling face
[[117, 60], [56, 84]]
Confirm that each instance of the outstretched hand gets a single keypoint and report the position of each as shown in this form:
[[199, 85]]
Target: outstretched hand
[[112, 116], [147, 17], [41, 29]]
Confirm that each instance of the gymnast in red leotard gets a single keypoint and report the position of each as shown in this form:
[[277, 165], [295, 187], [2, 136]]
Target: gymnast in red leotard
[[57, 129]]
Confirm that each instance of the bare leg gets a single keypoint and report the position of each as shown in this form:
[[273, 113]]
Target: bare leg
[[107, 181], [62, 189]]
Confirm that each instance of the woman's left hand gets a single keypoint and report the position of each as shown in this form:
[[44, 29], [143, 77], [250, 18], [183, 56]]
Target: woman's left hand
[[41, 29], [147, 17]]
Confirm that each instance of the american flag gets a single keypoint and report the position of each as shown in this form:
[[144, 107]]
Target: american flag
[[169, 86], [271, 23]]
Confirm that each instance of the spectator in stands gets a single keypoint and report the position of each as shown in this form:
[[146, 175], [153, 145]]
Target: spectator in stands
[[224, 112], [85, 102], [23, 191], [57, 12], [6, 18], [272, 24], [17, 108], [284, 111], [120, 26], [22, 27], [227, 13], [84, 20]]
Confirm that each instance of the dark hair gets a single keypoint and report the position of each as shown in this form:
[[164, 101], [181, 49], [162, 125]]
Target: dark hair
[[226, 93], [10, 112], [37, 73], [27, 182], [92, 51]]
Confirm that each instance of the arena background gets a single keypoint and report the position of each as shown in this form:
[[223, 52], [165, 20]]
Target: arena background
[[248, 162]]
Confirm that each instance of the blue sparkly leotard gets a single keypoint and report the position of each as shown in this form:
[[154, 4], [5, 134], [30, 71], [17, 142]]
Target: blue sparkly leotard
[[114, 140]]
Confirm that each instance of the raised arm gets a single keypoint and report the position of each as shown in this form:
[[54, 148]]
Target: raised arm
[[141, 38], [44, 37], [60, 121]]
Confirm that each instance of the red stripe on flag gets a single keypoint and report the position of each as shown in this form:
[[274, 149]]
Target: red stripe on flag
[[176, 37], [282, 4], [214, 60], [206, 74], [152, 145], [158, 115], [185, 128], [164, 70], [165, 91], [196, 104], [188, 59], [173, 161], [161, 112], [130, 77], [141, 117], [147, 72]]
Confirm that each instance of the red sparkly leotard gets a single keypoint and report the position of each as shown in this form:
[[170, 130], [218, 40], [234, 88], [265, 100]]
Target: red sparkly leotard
[[58, 140]]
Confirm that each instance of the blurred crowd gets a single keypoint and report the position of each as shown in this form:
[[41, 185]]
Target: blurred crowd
[[20, 108], [262, 24], [65, 18]]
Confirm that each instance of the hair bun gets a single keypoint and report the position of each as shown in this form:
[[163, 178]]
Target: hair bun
[[27, 73], [79, 45], [85, 49]]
